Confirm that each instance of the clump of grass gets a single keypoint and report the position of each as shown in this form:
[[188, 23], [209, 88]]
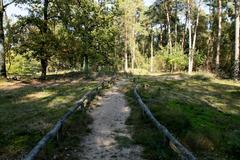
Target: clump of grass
[[123, 141], [201, 77]]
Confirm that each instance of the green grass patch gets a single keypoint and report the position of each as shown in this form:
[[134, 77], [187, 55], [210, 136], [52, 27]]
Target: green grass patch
[[123, 141], [75, 128], [29, 109], [201, 111], [145, 134]]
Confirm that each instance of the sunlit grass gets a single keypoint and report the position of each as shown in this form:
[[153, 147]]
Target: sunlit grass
[[201, 110], [28, 110]]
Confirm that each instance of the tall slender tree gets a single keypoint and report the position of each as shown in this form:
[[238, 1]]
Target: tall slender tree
[[219, 35], [190, 57], [3, 72], [237, 27]]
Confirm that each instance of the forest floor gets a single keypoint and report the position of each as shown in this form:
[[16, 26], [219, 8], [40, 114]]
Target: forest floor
[[200, 110]]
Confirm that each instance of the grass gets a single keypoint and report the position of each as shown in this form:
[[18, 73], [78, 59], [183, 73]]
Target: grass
[[144, 133], [73, 131], [29, 109], [201, 111], [123, 141]]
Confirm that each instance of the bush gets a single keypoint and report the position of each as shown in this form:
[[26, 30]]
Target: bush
[[175, 61], [20, 65], [199, 60]]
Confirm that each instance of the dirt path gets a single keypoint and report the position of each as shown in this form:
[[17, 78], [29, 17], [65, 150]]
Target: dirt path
[[109, 125]]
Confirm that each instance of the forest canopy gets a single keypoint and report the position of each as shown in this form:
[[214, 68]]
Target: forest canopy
[[108, 35]]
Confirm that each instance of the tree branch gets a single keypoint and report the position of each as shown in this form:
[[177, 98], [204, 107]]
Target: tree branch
[[4, 6]]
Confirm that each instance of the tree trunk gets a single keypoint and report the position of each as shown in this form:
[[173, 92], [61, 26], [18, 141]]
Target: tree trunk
[[169, 29], [44, 65], [190, 58], [3, 72], [161, 37], [196, 27], [133, 47], [44, 60], [126, 45], [151, 65], [185, 31], [236, 57], [219, 35], [86, 66], [126, 54], [176, 23]]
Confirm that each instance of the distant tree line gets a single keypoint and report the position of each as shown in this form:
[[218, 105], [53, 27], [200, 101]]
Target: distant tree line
[[90, 35]]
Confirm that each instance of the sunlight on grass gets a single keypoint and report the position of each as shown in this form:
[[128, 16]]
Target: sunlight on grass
[[29, 110], [201, 110], [37, 96]]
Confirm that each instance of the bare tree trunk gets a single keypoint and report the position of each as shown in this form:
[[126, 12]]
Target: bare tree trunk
[[3, 72], [125, 52], [185, 31], [133, 45], [236, 57], [176, 24], [161, 37], [190, 58], [196, 27], [169, 29], [207, 67], [44, 60], [219, 35], [151, 65]]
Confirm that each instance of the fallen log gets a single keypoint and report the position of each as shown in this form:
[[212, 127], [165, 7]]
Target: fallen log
[[57, 129], [170, 140]]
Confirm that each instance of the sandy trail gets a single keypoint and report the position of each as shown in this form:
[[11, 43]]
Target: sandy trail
[[109, 123]]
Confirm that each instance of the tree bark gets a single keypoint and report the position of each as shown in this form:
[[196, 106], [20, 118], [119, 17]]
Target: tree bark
[[169, 29], [125, 53], [236, 57], [3, 72], [44, 65], [133, 45], [151, 65], [185, 31], [190, 58], [126, 44], [196, 27], [44, 60], [176, 23], [219, 35]]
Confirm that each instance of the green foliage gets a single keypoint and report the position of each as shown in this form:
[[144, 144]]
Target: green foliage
[[20, 65], [174, 61], [199, 60]]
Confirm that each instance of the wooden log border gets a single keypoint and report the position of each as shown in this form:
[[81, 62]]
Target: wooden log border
[[169, 139], [56, 131]]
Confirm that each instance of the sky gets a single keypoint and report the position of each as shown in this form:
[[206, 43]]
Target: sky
[[13, 10], [148, 2]]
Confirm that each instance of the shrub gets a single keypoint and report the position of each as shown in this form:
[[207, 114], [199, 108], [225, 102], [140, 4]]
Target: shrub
[[20, 65], [177, 60]]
